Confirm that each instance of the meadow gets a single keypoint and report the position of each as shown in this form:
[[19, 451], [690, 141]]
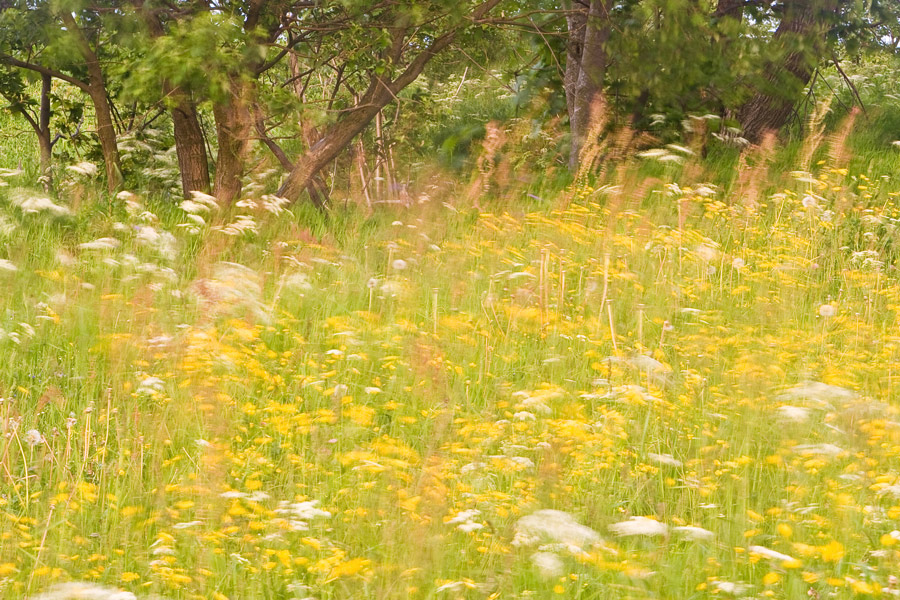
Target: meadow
[[641, 387]]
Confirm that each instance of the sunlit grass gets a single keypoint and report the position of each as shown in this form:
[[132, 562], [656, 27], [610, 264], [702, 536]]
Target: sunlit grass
[[281, 405]]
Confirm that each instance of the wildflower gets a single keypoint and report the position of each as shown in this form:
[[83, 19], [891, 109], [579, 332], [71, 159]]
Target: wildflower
[[827, 311], [83, 168], [399, 264], [695, 534], [548, 564], [797, 414], [784, 559], [36, 204], [84, 591], [639, 526], [6, 265], [818, 449], [554, 526], [664, 459], [738, 263], [101, 244], [33, 438]]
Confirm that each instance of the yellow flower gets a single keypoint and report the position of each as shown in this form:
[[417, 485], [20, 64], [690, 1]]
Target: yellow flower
[[832, 551]]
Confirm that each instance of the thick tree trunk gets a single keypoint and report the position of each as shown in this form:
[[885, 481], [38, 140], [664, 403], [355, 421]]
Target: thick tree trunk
[[731, 9], [234, 122], [800, 36], [189, 144], [588, 87]]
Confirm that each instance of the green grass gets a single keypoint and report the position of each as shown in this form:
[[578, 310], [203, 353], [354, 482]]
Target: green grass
[[600, 352]]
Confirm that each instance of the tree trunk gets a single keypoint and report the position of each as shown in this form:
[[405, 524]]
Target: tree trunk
[[234, 122], [335, 140], [576, 23], [96, 89], [189, 144], [106, 131], [588, 87], [800, 36], [43, 133], [731, 9], [379, 94]]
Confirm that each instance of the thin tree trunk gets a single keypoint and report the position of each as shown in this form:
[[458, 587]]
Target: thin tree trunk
[[589, 84], [801, 37], [43, 133], [96, 88], [576, 23], [233, 126], [379, 94]]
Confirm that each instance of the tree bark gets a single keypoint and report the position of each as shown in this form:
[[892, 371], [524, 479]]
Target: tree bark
[[96, 89], [189, 144], [800, 36], [190, 147], [234, 122], [43, 132], [588, 86], [576, 23], [731, 9]]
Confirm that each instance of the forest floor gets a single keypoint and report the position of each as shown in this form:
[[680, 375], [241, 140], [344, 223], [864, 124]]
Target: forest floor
[[654, 391]]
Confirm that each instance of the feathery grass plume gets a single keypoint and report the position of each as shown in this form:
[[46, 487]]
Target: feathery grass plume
[[752, 171], [838, 152], [595, 142], [486, 163], [815, 133]]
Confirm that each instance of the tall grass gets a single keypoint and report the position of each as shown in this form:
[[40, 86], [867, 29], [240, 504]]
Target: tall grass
[[268, 403]]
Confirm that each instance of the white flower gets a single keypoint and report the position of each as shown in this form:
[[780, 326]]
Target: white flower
[[33, 438], [399, 264], [797, 414], [6, 265], [827, 311], [554, 526], [84, 591], [639, 526], [83, 168], [548, 564], [772, 554], [36, 204], [464, 516], [372, 390], [664, 459], [707, 253], [100, 244], [809, 202], [695, 534], [738, 263], [818, 450]]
